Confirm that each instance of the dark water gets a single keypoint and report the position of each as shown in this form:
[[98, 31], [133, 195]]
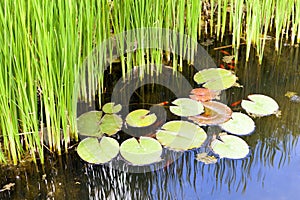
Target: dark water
[[272, 171]]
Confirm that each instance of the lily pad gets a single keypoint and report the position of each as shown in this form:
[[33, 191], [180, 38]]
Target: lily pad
[[110, 124], [88, 124], [260, 105], [215, 78], [140, 118], [111, 108], [186, 107], [94, 152], [239, 124], [215, 113], [144, 151], [181, 135], [204, 94], [229, 146]]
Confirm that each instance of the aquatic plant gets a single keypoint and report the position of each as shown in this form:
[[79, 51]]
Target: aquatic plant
[[44, 43], [176, 135]]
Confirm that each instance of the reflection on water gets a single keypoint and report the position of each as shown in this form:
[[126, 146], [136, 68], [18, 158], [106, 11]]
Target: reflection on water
[[271, 171]]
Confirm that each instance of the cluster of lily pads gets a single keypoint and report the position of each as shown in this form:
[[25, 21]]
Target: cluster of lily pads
[[198, 110]]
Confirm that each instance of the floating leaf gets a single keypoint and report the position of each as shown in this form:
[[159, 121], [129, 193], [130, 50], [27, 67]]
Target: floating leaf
[[206, 159], [293, 97], [88, 124], [215, 78], [92, 151], [260, 105], [186, 107], [230, 146], [203, 94], [111, 108], [228, 59], [181, 135], [110, 124], [239, 124], [144, 151], [215, 113], [140, 118]]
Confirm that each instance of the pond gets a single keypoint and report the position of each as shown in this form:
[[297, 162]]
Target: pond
[[271, 171]]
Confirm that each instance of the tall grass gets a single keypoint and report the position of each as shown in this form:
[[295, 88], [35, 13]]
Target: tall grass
[[45, 45]]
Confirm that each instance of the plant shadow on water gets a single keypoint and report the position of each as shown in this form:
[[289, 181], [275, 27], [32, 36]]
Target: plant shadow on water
[[271, 171]]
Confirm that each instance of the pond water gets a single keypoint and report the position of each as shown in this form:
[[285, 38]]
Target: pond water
[[272, 171]]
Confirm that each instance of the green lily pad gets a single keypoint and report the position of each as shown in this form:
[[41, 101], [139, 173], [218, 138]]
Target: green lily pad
[[88, 124], [239, 124], [94, 152], [140, 118], [110, 124], [260, 105], [215, 78], [144, 151], [230, 146], [186, 107], [181, 135], [111, 108]]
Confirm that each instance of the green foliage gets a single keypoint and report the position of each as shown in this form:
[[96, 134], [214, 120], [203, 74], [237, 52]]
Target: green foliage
[[140, 118], [215, 78], [93, 151], [229, 146], [181, 135], [260, 105], [186, 107], [44, 43], [239, 124], [144, 151], [111, 108]]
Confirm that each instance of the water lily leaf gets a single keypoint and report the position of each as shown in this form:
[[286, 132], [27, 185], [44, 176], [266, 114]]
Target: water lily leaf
[[239, 124], [88, 124], [186, 107], [181, 135], [230, 146], [215, 113], [110, 124], [144, 151], [206, 159], [204, 94], [94, 152], [140, 118], [111, 108], [260, 105], [215, 78]]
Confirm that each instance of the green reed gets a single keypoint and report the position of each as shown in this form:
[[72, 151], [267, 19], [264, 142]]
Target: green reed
[[44, 44]]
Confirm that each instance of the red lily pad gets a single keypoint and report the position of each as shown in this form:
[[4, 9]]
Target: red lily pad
[[215, 113], [203, 94]]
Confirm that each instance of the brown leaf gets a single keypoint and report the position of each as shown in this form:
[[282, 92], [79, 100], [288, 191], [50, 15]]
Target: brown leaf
[[203, 94], [215, 113]]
